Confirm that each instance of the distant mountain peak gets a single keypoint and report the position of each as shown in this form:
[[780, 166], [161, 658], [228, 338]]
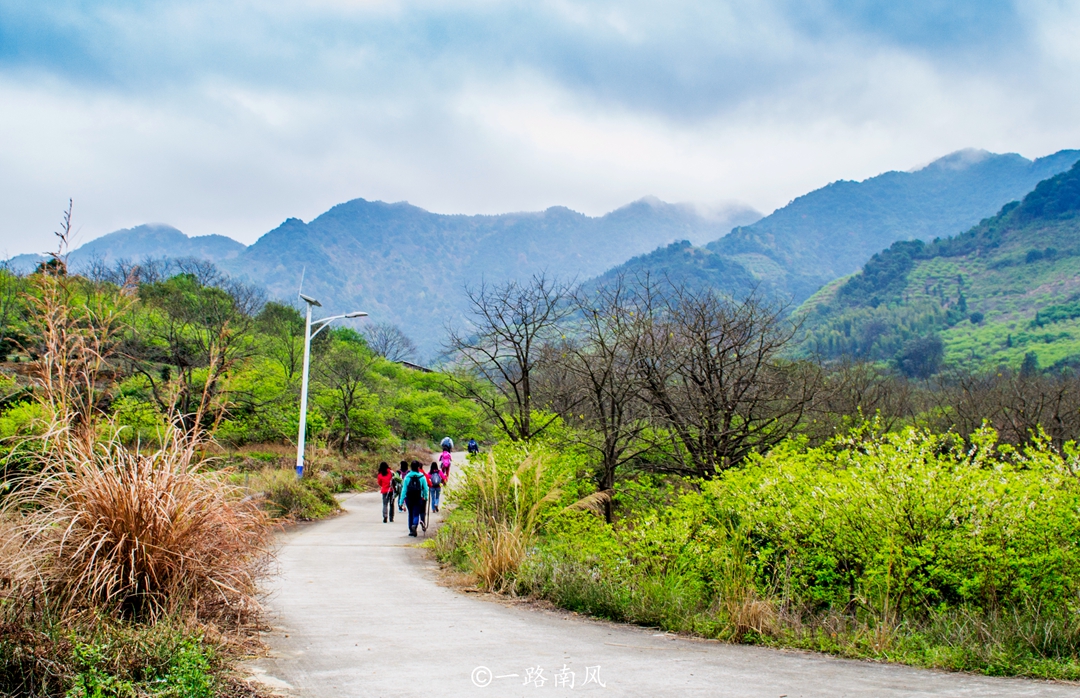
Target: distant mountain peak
[[156, 240], [959, 160]]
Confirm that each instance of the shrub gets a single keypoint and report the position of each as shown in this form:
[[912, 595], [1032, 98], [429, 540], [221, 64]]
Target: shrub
[[100, 657], [288, 497], [909, 546]]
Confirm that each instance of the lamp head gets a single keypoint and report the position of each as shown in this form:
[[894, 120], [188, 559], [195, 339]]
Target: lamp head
[[310, 301], [356, 314]]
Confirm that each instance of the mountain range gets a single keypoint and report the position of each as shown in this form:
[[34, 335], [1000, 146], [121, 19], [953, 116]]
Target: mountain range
[[832, 231], [409, 266]]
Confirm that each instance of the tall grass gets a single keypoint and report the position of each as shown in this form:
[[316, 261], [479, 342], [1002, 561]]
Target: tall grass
[[141, 535], [505, 498]]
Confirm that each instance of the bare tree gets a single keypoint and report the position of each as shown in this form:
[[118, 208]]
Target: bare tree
[[605, 390], [124, 272], [388, 341], [511, 323], [1015, 404], [852, 392], [710, 368]]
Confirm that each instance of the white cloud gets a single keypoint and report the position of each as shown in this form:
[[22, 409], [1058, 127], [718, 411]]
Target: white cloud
[[229, 117]]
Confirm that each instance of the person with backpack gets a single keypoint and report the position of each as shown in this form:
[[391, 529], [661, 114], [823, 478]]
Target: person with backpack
[[444, 465], [414, 495], [447, 444], [388, 489], [474, 447], [435, 484]]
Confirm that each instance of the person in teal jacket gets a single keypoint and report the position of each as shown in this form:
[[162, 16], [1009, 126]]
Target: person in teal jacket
[[414, 495]]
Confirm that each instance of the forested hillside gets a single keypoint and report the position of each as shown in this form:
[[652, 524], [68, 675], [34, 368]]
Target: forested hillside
[[1007, 291]]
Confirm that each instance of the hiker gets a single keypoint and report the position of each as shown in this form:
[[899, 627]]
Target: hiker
[[444, 465], [474, 447], [435, 484], [414, 494], [389, 489], [447, 444]]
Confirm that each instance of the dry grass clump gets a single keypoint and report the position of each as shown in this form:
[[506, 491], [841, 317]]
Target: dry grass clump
[[138, 535], [510, 501]]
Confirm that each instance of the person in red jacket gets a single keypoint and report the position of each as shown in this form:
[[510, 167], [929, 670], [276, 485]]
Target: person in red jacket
[[386, 488]]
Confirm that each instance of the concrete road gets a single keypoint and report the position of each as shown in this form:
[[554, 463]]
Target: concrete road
[[357, 611]]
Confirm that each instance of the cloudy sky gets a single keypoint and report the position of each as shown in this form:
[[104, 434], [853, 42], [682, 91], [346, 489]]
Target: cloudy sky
[[228, 116]]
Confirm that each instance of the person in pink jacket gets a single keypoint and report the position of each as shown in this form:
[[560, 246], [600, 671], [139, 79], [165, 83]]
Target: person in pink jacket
[[444, 464]]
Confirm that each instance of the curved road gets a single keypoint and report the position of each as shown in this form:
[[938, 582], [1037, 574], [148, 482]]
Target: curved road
[[357, 611]]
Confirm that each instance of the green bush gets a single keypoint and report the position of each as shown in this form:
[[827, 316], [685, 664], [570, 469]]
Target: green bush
[[910, 547], [287, 496], [138, 421], [102, 658]]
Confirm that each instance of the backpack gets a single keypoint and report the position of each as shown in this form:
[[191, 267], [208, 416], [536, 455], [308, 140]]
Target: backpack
[[446, 459], [396, 483], [436, 479], [447, 443], [415, 489]]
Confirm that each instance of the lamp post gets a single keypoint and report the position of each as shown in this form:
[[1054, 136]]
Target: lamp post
[[308, 336]]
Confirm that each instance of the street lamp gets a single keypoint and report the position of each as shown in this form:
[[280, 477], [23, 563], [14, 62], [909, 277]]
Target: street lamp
[[308, 336]]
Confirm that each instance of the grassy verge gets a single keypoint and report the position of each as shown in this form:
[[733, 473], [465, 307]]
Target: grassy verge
[[103, 657], [911, 547]]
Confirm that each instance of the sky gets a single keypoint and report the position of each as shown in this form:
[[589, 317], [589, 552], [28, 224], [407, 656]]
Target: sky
[[229, 116]]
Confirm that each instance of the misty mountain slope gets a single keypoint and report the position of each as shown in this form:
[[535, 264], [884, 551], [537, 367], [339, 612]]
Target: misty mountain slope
[[142, 242], [1006, 289], [157, 241], [832, 231], [685, 264], [409, 266]]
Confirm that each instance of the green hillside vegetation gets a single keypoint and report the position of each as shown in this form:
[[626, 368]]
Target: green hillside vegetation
[[1005, 291], [696, 267], [208, 351]]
